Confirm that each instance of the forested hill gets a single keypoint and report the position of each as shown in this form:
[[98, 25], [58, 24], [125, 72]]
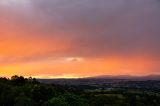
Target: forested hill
[[20, 91]]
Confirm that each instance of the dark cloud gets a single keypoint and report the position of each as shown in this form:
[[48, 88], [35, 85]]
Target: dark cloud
[[93, 27]]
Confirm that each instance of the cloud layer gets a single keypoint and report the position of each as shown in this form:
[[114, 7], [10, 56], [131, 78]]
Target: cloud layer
[[35, 30]]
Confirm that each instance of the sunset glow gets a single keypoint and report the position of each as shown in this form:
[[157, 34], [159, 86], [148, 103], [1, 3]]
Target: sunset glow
[[79, 38]]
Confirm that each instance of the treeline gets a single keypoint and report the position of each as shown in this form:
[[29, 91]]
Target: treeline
[[20, 91]]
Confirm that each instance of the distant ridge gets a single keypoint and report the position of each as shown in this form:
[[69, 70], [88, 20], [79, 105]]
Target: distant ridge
[[104, 79], [127, 77]]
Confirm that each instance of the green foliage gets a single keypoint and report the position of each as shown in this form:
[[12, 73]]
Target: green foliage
[[20, 91], [23, 100], [67, 99], [56, 101]]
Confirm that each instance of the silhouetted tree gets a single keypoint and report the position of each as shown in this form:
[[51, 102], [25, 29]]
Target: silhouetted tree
[[18, 80]]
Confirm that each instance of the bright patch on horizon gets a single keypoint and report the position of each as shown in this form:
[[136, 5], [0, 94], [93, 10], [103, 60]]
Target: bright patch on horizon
[[65, 76]]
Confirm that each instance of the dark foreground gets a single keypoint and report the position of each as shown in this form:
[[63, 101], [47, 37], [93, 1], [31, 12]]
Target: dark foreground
[[19, 91]]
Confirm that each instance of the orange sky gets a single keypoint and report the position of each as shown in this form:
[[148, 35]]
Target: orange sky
[[70, 39]]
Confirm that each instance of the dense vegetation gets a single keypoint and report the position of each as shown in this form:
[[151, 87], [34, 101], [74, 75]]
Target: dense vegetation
[[20, 91]]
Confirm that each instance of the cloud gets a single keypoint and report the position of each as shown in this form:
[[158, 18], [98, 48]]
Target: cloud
[[92, 27], [103, 27], [40, 29]]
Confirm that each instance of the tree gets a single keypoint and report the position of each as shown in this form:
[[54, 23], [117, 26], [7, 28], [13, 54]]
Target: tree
[[18, 80], [56, 101], [23, 100]]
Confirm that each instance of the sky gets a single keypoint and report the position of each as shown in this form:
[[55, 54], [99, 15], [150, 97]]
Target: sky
[[79, 38]]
